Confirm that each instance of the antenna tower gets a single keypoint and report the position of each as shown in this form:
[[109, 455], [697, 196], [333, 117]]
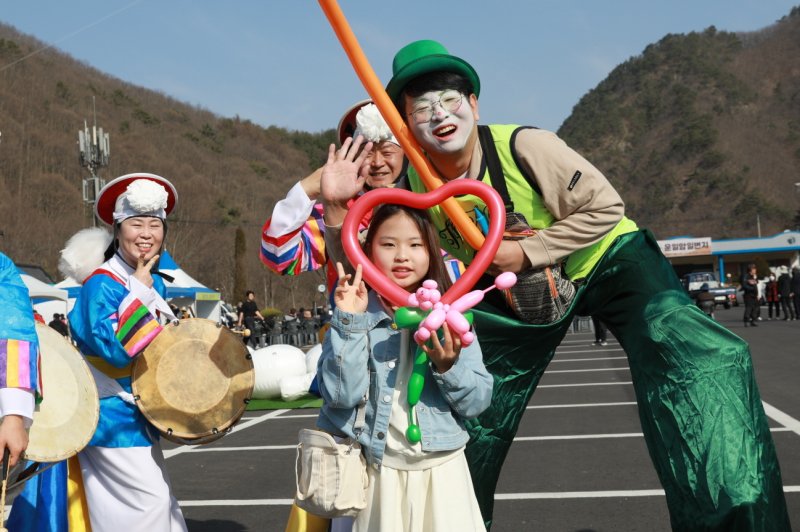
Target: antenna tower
[[94, 151]]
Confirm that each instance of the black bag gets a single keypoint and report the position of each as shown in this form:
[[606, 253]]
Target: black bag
[[540, 296]]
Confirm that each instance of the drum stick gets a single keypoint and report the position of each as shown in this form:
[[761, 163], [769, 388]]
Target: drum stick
[[5, 469], [370, 80]]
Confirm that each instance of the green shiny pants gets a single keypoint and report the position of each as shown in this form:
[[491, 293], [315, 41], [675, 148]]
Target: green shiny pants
[[699, 405]]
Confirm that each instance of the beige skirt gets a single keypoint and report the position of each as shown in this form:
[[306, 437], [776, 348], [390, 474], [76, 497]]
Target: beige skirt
[[439, 499]]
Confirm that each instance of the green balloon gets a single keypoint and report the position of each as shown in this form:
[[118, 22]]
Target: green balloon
[[413, 434]]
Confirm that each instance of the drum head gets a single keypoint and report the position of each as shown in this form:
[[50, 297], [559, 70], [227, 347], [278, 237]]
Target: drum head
[[194, 380], [65, 420]]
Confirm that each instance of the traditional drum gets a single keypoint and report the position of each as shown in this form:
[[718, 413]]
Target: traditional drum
[[65, 420], [193, 382]]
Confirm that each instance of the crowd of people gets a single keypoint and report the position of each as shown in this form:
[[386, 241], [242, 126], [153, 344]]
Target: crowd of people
[[296, 327], [780, 293], [688, 371]]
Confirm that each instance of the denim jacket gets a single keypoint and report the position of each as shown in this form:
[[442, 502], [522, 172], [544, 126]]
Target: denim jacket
[[361, 352]]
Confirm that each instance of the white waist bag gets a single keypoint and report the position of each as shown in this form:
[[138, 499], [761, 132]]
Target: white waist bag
[[331, 477]]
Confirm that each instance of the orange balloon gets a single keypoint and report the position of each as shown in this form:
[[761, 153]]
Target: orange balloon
[[375, 89]]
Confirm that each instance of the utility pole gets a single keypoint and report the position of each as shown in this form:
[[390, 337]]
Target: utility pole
[[94, 151], [758, 224]]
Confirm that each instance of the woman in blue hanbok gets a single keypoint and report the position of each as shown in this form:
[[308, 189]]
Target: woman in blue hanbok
[[118, 481], [19, 361]]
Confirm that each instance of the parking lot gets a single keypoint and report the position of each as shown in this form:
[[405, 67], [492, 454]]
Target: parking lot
[[579, 462]]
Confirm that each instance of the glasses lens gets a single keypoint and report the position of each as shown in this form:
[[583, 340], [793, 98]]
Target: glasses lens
[[422, 114], [451, 101]]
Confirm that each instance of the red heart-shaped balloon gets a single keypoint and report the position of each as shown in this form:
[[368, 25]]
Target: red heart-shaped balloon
[[483, 258]]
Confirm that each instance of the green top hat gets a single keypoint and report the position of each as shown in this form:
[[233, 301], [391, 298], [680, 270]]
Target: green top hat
[[422, 57]]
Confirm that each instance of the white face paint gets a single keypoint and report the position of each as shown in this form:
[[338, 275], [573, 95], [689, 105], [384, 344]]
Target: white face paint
[[446, 132]]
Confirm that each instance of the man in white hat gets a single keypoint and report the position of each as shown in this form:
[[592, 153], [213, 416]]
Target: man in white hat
[[292, 240]]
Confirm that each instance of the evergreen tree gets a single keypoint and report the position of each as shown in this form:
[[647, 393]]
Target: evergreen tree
[[240, 270]]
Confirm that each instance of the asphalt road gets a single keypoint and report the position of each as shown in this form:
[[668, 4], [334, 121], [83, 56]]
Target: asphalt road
[[579, 462]]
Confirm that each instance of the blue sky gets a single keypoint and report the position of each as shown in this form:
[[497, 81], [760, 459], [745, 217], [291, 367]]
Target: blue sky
[[277, 62]]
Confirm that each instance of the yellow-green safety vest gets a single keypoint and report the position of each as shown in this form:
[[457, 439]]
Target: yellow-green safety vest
[[527, 201]]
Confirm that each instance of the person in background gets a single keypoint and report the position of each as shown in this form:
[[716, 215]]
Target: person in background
[[785, 294], [292, 240], [248, 314], [19, 362], [705, 300], [773, 297], [750, 296], [794, 293], [600, 331], [57, 324]]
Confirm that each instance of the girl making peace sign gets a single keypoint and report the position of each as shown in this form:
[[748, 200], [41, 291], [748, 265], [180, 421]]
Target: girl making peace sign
[[413, 486]]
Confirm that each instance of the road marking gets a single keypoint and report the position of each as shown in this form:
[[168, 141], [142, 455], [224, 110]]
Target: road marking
[[587, 359], [593, 350], [564, 342], [781, 417], [298, 416], [498, 497], [238, 427], [199, 449], [550, 372], [239, 502], [587, 384], [581, 405], [596, 494], [576, 494], [596, 436]]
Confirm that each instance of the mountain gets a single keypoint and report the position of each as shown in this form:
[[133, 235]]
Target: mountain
[[229, 172], [701, 132]]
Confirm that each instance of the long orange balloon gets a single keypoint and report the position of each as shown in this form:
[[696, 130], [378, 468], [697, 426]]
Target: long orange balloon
[[409, 144]]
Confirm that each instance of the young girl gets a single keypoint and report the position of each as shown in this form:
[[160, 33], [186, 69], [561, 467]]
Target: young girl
[[413, 486]]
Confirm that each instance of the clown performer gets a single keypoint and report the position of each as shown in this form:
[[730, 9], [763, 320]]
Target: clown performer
[[122, 483], [693, 378], [19, 362]]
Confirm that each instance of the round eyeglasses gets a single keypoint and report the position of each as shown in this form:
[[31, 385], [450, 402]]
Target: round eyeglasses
[[449, 101]]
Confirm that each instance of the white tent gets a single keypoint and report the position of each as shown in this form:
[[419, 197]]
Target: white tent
[[47, 299], [185, 291]]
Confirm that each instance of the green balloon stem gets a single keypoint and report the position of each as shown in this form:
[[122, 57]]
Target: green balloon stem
[[415, 384], [408, 318]]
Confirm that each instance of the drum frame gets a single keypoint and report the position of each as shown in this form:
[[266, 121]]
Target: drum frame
[[187, 428]]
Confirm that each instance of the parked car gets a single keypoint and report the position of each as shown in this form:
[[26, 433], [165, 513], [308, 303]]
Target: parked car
[[723, 295]]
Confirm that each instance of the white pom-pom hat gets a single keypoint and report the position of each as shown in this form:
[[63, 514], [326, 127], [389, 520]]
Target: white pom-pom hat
[[365, 119], [137, 194]]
